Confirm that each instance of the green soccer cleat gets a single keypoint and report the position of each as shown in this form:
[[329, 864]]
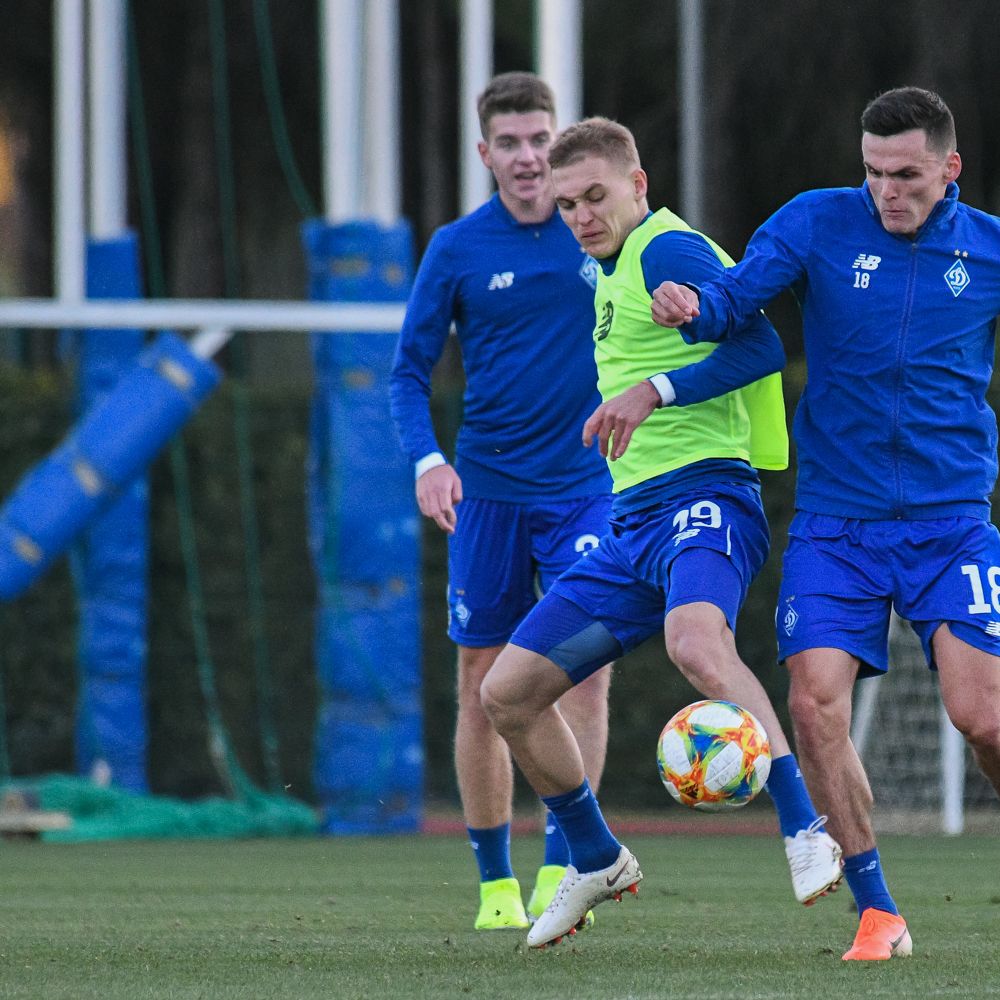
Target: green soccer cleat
[[546, 883], [500, 905]]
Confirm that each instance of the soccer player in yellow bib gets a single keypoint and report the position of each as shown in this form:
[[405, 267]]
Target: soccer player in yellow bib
[[687, 534]]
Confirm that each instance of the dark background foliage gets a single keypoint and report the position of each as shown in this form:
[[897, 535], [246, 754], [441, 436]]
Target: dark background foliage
[[785, 83]]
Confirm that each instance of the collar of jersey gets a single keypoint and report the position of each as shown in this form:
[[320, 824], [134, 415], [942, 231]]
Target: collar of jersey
[[608, 263], [504, 213], [941, 213]]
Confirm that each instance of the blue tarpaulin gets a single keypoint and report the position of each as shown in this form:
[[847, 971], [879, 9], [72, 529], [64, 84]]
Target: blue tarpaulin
[[364, 537]]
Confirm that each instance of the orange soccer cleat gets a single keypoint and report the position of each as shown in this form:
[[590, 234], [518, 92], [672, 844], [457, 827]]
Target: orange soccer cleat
[[881, 935]]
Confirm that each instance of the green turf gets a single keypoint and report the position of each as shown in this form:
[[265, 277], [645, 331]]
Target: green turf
[[358, 918]]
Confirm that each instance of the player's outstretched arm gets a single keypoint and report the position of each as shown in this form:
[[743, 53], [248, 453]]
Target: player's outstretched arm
[[614, 421], [674, 305], [438, 491]]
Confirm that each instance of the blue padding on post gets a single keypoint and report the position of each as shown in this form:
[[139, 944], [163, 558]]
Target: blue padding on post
[[145, 409], [111, 559], [112, 444], [364, 536]]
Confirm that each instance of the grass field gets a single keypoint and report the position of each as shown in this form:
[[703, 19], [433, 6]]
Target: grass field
[[360, 918]]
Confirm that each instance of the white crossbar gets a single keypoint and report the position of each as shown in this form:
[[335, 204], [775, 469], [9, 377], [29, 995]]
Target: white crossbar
[[197, 314]]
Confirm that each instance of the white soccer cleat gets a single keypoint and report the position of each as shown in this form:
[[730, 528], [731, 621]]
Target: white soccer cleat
[[578, 893], [814, 858]]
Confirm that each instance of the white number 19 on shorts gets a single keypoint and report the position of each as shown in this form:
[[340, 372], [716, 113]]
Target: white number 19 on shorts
[[704, 514]]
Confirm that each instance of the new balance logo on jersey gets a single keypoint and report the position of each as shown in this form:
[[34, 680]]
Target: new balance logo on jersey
[[957, 277], [504, 279], [993, 628], [863, 266], [866, 261]]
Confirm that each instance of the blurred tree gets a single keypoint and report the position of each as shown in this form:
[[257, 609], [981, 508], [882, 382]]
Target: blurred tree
[[785, 82]]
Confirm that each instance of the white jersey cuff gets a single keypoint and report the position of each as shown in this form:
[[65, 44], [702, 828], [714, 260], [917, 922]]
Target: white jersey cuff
[[428, 462], [664, 387]]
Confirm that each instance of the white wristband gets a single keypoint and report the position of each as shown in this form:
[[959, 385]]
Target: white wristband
[[664, 387], [428, 462]]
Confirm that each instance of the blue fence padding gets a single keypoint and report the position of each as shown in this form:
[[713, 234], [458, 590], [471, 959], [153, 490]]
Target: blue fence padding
[[112, 556], [349, 664], [110, 446], [364, 537], [360, 798]]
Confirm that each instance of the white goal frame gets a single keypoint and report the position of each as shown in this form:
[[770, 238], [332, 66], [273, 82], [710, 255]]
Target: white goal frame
[[214, 321]]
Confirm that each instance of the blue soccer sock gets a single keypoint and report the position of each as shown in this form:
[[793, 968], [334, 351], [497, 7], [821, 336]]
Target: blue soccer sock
[[556, 848], [492, 849], [790, 795], [592, 846], [865, 877]]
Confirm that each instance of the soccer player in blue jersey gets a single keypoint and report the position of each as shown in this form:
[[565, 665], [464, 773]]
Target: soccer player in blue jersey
[[899, 285], [688, 532], [523, 500]]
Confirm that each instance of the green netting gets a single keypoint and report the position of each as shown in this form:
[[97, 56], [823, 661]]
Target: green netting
[[112, 814]]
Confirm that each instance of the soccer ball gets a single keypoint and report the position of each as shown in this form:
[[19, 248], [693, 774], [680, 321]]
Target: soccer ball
[[713, 755]]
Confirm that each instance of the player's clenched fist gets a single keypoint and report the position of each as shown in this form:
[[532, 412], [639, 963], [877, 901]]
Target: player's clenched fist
[[674, 304], [438, 490]]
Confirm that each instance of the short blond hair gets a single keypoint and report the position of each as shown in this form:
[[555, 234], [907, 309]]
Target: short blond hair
[[601, 137]]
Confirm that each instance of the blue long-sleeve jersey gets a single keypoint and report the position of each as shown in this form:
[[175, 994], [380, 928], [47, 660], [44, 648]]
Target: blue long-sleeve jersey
[[521, 297], [687, 258], [899, 342]]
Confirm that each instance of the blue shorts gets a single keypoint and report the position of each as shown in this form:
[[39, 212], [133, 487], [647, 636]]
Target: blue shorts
[[843, 576], [504, 556], [705, 546]]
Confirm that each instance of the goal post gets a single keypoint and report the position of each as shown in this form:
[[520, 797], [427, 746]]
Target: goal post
[[364, 535]]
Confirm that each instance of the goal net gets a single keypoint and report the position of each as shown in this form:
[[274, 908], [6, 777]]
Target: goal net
[[921, 772]]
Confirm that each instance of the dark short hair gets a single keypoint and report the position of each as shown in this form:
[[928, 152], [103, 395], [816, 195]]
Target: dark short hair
[[907, 108], [602, 137], [514, 93]]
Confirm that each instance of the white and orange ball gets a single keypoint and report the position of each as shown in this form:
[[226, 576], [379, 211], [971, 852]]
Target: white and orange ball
[[713, 755]]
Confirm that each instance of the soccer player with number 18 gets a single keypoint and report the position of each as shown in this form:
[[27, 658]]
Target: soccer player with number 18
[[899, 284]]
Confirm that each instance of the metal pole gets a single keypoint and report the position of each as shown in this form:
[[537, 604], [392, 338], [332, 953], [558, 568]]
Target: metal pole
[[559, 55], [209, 340], [381, 97], [952, 776], [108, 179], [340, 32], [690, 39], [193, 314], [69, 173], [477, 67]]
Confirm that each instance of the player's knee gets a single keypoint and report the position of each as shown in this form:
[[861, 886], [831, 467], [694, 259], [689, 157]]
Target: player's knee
[[501, 699], [699, 659], [469, 690], [980, 728], [817, 716], [494, 704]]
